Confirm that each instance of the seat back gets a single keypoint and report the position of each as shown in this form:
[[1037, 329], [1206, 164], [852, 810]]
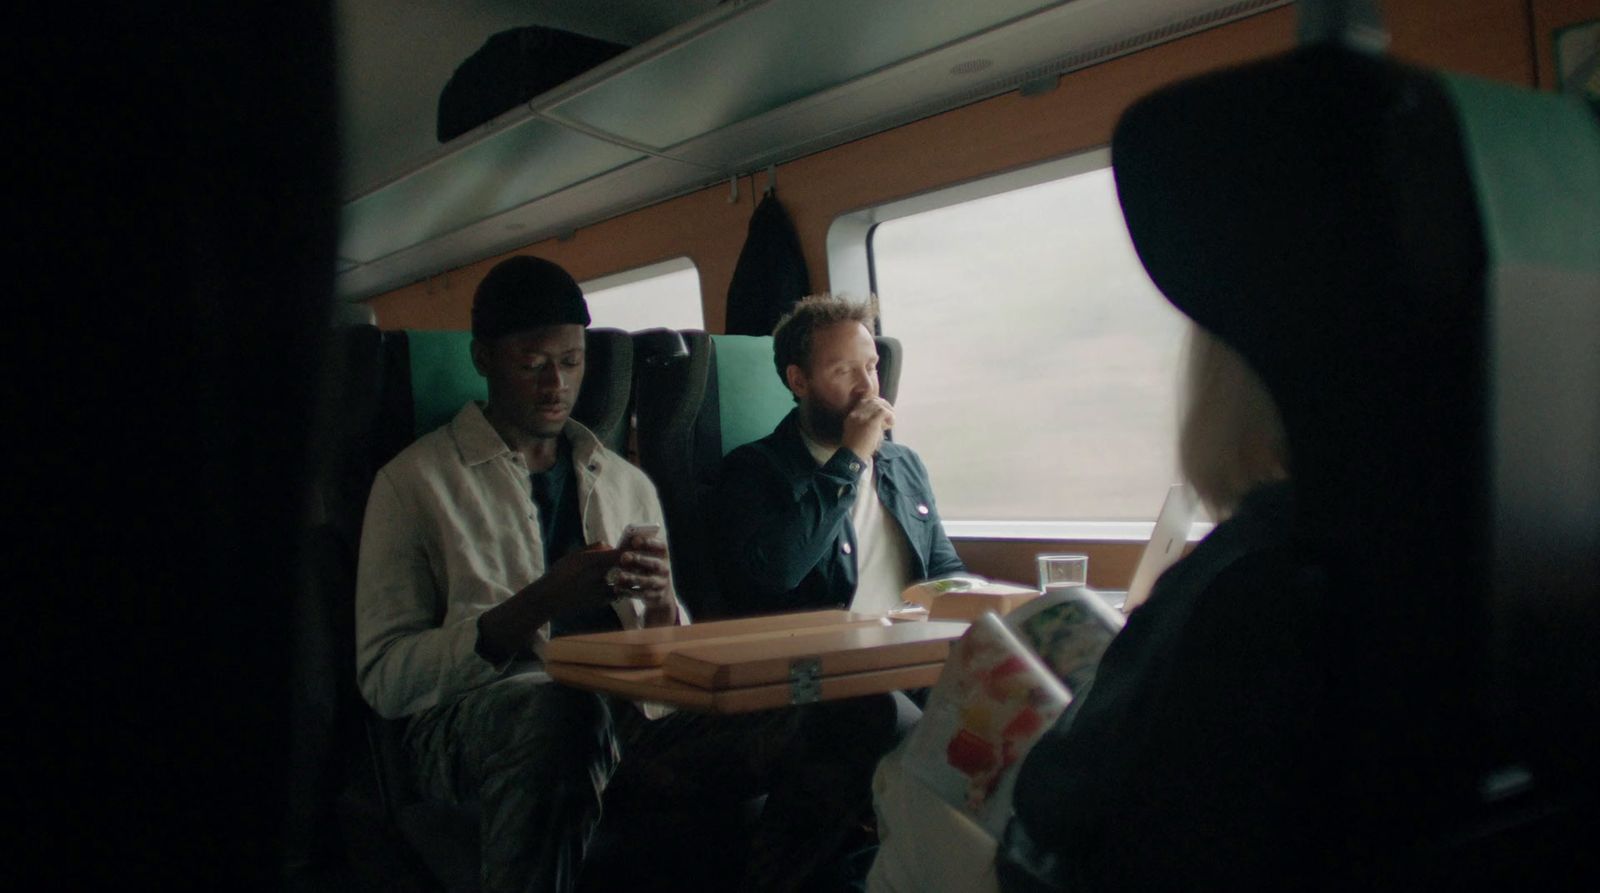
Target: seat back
[[325, 702], [1535, 164], [1409, 262], [605, 403], [429, 376], [349, 789], [695, 406]]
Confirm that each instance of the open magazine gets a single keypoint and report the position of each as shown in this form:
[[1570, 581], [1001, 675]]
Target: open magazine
[[1003, 685]]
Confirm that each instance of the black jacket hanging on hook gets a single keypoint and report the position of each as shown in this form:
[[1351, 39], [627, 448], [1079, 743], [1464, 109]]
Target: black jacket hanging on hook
[[771, 274]]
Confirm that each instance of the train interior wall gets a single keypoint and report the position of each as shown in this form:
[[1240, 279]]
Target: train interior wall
[[1505, 40]]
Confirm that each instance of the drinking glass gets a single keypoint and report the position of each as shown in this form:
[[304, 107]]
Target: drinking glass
[[1063, 571]]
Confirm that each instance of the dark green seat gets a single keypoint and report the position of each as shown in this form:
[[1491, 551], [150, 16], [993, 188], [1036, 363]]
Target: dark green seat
[[430, 376], [442, 364]]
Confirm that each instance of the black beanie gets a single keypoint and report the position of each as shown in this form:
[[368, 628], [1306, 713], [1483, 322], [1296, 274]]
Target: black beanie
[[525, 292]]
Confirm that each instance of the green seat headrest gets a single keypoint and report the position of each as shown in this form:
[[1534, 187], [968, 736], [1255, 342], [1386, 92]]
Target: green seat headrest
[[442, 377], [751, 398], [1532, 158]]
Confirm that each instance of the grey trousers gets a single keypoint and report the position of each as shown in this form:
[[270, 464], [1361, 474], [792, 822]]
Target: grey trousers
[[539, 756]]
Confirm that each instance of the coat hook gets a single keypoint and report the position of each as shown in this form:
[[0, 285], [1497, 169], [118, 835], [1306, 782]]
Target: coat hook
[[772, 179], [733, 189]]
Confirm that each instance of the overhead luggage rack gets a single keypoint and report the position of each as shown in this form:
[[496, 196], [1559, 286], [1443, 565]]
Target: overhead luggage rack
[[735, 90]]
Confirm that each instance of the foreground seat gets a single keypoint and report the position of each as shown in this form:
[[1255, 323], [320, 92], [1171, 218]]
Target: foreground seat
[[1411, 262]]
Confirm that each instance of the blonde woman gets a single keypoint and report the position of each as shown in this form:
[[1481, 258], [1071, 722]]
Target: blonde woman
[[1189, 763], [1230, 438]]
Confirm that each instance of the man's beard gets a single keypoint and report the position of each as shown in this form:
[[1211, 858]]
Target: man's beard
[[825, 425]]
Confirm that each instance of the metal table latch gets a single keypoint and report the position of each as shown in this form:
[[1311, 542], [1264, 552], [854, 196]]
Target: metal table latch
[[805, 680]]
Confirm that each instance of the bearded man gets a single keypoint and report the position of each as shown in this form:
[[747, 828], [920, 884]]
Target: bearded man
[[824, 512]]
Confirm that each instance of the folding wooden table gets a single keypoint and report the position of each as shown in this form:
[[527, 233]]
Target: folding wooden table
[[756, 663]]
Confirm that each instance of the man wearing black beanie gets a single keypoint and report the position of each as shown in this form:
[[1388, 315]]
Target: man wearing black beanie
[[503, 528], [481, 540]]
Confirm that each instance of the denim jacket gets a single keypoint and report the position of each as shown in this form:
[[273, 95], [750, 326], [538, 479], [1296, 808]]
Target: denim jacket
[[785, 541]]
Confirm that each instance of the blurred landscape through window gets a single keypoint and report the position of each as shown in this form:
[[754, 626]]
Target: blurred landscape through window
[[1040, 371]]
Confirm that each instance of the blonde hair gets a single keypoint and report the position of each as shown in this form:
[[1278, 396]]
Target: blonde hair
[[1230, 437]]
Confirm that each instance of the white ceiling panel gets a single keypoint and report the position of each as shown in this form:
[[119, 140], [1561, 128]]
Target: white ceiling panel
[[521, 163], [580, 205], [1049, 43], [771, 56]]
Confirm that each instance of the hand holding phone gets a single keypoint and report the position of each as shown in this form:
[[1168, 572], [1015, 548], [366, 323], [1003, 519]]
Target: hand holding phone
[[643, 573], [634, 539], [645, 531]]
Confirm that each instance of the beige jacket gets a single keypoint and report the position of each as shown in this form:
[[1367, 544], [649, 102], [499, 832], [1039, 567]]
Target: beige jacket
[[451, 531]]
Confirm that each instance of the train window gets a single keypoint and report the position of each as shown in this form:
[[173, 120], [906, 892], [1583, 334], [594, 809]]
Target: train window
[[1040, 371], [660, 295]]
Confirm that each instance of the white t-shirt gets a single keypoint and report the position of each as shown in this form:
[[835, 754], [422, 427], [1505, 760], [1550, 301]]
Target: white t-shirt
[[883, 558]]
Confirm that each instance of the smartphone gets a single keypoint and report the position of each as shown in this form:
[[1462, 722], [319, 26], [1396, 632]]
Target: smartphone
[[644, 530]]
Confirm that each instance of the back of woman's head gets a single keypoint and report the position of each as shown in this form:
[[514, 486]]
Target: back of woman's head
[[1230, 437]]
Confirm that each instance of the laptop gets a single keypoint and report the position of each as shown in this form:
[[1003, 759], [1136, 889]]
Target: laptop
[[1167, 542]]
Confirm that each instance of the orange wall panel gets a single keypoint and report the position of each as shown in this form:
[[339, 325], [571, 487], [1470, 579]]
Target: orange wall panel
[[1550, 16], [1011, 130], [1487, 38]]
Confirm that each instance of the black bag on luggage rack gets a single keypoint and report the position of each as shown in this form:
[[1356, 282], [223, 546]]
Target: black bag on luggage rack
[[513, 67]]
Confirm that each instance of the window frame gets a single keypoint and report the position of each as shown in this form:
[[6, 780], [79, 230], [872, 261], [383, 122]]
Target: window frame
[[679, 264], [851, 271]]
